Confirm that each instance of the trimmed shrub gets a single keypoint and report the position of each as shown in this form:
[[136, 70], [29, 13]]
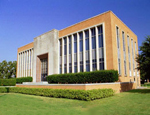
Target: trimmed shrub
[[65, 93], [101, 76], [7, 82], [3, 90], [23, 79]]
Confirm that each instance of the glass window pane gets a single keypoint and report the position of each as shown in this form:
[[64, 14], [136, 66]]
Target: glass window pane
[[81, 45], [75, 47], [87, 44]]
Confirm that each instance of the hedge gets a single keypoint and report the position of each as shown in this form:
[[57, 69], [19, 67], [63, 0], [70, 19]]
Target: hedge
[[7, 82], [65, 93], [3, 90], [101, 76], [62, 93], [23, 79]]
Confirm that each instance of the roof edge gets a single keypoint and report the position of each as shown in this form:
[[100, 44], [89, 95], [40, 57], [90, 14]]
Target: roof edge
[[86, 19]]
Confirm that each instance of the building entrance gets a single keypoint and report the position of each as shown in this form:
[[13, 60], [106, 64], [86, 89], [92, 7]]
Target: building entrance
[[44, 69]]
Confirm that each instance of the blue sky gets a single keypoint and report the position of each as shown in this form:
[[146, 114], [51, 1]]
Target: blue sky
[[22, 20]]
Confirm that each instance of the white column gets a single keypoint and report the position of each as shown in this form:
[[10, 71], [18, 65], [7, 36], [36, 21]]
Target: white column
[[67, 54], [90, 49], [29, 64], [78, 54], [97, 52], [84, 57], [62, 55], [18, 63], [104, 47], [72, 42], [24, 64], [22, 61]]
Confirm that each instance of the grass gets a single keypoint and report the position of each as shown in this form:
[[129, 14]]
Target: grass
[[132, 102]]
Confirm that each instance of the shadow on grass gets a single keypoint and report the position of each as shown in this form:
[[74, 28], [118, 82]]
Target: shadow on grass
[[139, 91], [2, 95]]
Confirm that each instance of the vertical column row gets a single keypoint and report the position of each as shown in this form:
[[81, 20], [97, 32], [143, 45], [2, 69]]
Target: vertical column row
[[18, 65], [25, 61], [82, 51]]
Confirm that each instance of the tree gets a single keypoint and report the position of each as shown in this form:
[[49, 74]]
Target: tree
[[143, 59], [8, 69]]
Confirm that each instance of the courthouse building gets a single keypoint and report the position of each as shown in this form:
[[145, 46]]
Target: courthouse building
[[102, 42]]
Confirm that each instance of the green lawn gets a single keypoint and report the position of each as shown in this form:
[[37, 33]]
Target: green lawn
[[135, 102]]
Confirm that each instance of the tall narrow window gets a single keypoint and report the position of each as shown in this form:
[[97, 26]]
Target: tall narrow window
[[133, 56], [60, 55], [65, 55], [70, 57], [75, 53], [94, 65], [81, 51], [129, 55], [101, 48], [87, 50], [124, 52], [118, 47]]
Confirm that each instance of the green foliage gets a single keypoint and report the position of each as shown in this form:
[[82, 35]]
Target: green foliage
[[23, 79], [3, 90], [63, 93], [8, 69], [83, 77], [145, 85], [7, 82], [143, 59]]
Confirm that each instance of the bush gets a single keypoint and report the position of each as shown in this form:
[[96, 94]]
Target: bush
[[3, 90], [7, 82], [23, 79], [65, 93], [101, 76]]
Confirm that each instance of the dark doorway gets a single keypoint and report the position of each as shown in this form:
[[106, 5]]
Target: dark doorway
[[44, 69]]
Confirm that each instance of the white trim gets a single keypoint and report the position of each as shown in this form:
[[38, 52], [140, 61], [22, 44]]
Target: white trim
[[62, 55], [78, 53], [84, 52], [97, 48], [72, 52], [58, 57], [18, 65], [67, 54], [90, 49], [104, 47], [87, 84]]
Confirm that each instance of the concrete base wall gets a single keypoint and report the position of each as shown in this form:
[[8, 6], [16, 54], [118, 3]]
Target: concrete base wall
[[117, 87]]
